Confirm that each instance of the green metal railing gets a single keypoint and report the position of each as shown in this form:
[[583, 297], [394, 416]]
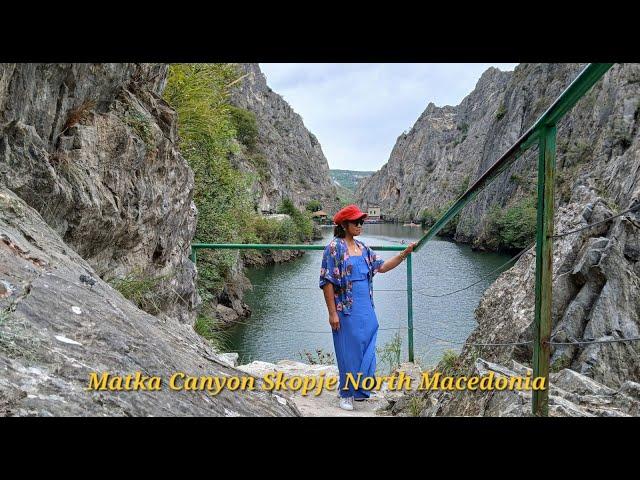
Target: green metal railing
[[261, 246], [543, 133]]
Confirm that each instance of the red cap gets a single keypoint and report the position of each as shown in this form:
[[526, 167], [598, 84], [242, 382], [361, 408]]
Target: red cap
[[350, 212]]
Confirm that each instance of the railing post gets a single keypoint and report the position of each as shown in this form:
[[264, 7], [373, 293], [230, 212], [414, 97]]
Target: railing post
[[544, 267], [410, 307], [192, 257]]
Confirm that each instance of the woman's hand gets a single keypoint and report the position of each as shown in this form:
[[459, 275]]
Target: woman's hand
[[409, 249], [334, 321]]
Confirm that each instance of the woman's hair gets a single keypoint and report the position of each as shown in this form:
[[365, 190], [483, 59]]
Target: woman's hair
[[339, 231]]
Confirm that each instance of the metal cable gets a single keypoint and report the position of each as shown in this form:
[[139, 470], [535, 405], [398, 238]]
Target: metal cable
[[266, 285], [472, 344], [498, 268], [481, 278], [305, 331], [588, 342], [632, 209]]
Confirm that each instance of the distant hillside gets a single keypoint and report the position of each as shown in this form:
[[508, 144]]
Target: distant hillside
[[348, 178]]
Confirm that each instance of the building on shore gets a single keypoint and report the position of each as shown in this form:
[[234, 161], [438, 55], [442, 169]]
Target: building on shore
[[320, 216], [374, 213]]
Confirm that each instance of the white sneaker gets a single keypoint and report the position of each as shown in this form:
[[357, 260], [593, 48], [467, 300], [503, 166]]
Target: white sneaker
[[346, 403]]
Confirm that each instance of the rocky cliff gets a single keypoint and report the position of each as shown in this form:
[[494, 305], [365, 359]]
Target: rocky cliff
[[450, 147], [59, 322], [596, 286], [93, 188], [287, 158], [91, 147]]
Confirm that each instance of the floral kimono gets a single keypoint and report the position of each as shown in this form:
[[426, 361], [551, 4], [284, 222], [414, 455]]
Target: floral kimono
[[334, 269]]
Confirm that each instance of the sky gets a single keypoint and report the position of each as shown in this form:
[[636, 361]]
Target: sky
[[358, 110]]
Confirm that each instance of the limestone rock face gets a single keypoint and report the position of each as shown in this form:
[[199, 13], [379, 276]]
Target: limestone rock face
[[571, 395], [92, 148], [596, 285], [287, 158], [450, 147], [596, 297], [60, 322]]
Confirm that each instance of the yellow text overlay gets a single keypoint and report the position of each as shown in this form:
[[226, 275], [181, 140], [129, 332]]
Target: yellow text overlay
[[305, 385]]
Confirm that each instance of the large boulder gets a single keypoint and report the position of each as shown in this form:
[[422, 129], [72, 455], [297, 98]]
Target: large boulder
[[59, 322]]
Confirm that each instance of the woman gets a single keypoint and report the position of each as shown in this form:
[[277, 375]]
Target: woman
[[346, 275]]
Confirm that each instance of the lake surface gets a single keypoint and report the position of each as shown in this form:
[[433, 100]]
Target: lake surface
[[290, 315]]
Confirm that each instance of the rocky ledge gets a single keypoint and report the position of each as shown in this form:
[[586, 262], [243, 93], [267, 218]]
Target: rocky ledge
[[59, 322]]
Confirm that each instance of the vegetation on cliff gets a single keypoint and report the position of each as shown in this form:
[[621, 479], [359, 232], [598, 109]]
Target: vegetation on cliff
[[514, 227], [210, 129]]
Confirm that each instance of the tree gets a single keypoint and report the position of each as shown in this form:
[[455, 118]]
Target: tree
[[314, 206]]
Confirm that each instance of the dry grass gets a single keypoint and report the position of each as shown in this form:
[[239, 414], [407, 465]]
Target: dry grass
[[416, 405], [16, 341], [78, 114]]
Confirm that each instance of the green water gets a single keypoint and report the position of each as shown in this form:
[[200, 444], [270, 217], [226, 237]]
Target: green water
[[288, 307]]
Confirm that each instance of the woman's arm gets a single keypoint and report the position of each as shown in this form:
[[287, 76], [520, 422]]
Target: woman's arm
[[393, 262], [334, 319]]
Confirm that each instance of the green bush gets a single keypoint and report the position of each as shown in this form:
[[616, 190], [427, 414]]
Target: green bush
[[141, 125], [267, 230], [449, 230], [314, 206], [246, 126], [209, 327], [464, 185], [514, 228], [500, 112], [416, 405], [449, 362], [429, 216], [287, 206], [302, 222], [207, 130]]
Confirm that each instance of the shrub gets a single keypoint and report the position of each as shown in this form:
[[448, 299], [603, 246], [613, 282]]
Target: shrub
[[211, 328], [267, 230], [429, 216], [78, 114], [287, 206], [449, 230], [416, 404], [302, 221], [515, 227], [389, 353], [500, 112], [199, 94], [141, 290], [314, 206], [245, 125], [449, 362], [261, 164], [464, 185]]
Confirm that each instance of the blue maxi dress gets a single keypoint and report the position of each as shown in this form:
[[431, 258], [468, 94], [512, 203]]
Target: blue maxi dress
[[355, 340]]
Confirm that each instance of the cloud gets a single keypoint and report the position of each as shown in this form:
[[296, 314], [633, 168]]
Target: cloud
[[358, 110]]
